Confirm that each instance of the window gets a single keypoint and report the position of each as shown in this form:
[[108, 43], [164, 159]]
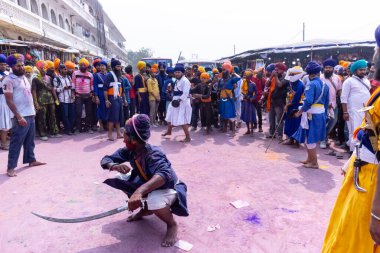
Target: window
[[22, 3], [60, 20], [67, 25], [34, 7], [44, 11], [53, 17]]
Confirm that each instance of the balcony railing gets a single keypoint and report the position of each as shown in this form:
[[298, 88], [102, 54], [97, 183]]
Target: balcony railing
[[79, 9]]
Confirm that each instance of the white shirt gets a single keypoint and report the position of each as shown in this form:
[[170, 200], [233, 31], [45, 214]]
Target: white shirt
[[64, 95], [335, 85], [21, 90], [354, 94]]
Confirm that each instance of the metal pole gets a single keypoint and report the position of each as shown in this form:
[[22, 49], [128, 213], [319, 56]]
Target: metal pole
[[303, 31]]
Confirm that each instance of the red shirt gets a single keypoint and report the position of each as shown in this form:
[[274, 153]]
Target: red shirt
[[132, 92], [259, 86]]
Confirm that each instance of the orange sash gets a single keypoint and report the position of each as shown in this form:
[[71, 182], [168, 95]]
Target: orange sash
[[141, 170], [271, 89]]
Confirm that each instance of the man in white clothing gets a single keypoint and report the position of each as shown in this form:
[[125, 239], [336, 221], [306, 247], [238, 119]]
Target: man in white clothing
[[179, 110], [355, 94]]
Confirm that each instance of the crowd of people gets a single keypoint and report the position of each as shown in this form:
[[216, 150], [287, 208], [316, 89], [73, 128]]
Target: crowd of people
[[71, 99]]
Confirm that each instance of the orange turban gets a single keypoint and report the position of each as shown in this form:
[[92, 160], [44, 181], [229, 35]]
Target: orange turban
[[155, 66], [57, 61], [84, 61], [70, 65], [205, 75], [215, 71], [153, 69], [227, 66], [249, 72]]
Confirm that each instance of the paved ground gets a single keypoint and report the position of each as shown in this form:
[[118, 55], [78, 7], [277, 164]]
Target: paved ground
[[289, 205]]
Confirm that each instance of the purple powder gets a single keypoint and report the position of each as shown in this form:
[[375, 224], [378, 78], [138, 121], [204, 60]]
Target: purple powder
[[289, 210], [254, 219]]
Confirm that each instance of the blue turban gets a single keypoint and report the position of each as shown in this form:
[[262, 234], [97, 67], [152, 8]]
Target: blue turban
[[359, 64], [138, 127], [208, 69], [115, 62], [179, 67], [377, 35], [236, 70], [339, 69], [103, 62], [3, 58], [161, 65], [13, 59], [170, 70], [313, 68], [330, 63], [270, 67]]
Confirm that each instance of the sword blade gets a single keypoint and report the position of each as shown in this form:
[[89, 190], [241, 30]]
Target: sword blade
[[84, 219]]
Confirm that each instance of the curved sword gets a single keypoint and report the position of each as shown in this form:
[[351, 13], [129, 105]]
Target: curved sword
[[84, 219]]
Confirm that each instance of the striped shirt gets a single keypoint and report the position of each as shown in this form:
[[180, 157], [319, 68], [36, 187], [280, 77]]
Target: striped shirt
[[83, 83]]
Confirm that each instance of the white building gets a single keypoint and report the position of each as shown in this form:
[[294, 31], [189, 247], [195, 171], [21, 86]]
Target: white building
[[75, 26]]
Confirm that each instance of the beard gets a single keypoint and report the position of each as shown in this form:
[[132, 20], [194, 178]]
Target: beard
[[225, 75], [361, 75], [117, 72], [20, 72], [328, 74], [83, 70]]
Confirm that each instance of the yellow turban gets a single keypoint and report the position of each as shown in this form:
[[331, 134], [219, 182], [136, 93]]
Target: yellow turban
[[215, 71], [49, 64], [201, 69], [249, 72], [28, 69], [141, 65], [84, 61], [57, 61], [70, 65]]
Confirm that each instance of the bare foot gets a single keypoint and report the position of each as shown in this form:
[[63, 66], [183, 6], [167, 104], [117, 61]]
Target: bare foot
[[138, 216], [305, 162], [120, 137], [36, 163], [247, 133], [311, 165], [171, 236], [11, 173], [185, 140], [166, 133]]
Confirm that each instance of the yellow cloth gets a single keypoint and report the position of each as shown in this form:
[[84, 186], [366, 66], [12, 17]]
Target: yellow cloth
[[70, 65], [141, 65], [49, 65], [57, 61], [28, 69], [201, 69], [348, 231], [84, 61], [244, 87], [153, 89]]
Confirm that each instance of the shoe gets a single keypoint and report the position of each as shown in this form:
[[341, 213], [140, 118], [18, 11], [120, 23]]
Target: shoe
[[90, 131], [260, 129], [279, 138], [44, 138], [193, 129], [255, 126], [323, 145], [269, 136], [56, 136]]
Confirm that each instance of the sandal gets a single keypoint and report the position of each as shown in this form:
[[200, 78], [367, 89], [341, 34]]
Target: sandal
[[339, 155], [332, 153]]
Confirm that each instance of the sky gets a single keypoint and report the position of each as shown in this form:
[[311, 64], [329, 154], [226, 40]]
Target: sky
[[208, 29]]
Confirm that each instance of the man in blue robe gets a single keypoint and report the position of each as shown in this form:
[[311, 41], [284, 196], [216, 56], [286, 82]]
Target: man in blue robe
[[314, 110], [150, 183], [161, 78]]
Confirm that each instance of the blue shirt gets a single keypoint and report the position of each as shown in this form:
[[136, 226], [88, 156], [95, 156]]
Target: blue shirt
[[313, 91]]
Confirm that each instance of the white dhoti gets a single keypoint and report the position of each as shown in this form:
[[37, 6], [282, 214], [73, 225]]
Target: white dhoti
[[181, 115], [354, 122], [159, 199]]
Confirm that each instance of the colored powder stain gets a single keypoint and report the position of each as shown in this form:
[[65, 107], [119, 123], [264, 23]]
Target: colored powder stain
[[254, 219], [289, 211], [271, 156], [323, 166]]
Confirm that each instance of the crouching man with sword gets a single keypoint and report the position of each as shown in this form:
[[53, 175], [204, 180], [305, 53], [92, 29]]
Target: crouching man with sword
[[150, 183]]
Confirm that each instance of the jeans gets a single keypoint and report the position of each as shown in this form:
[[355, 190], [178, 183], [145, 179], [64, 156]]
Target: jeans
[[22, 137], [195, 114], [87, 102], [331, 123], [68, 116], [275, 114]]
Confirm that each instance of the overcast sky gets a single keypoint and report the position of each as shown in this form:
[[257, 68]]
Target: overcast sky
[[210, 28]]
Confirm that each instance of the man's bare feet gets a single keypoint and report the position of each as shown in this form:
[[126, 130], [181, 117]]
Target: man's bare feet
[[311, 165], [11, 173], [166, 133], [171, 236], [138, 216], [185, 140], [36, 163], [120, 137]]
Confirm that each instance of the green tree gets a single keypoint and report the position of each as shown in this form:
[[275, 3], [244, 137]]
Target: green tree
[[135, 56]]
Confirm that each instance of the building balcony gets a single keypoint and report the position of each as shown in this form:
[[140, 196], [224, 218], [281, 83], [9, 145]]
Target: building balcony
[[20, 20], [79, 9], [121, 52]]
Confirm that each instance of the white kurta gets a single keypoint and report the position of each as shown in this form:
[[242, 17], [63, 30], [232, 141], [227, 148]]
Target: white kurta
[[182, 114], [5, 112], [355, 95]]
